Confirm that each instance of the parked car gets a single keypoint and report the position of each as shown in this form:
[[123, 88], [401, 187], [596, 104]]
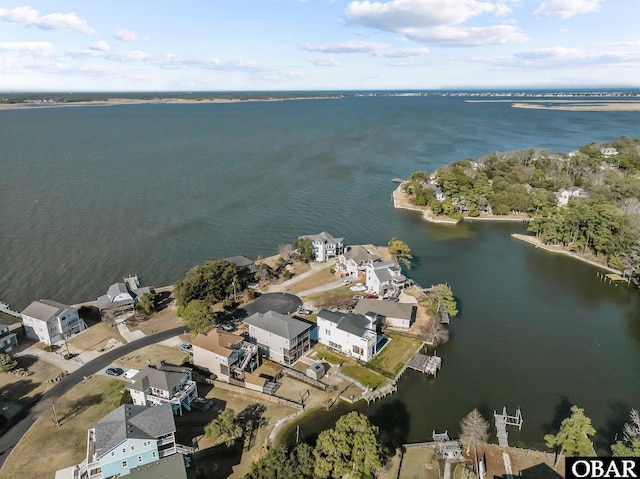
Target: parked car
[[228, 327], [372, 296], [346, 281], [304, 311], [114, 371], [391, 298], [185, 347], [358, 288]]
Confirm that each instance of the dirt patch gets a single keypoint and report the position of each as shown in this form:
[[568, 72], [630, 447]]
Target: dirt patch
[[160, 321], [151, 355], [312, 281], [27, 388], [95, 338], [46, 448]]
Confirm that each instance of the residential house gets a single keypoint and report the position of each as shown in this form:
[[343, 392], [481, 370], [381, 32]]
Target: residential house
[[164, 384], [50, 322], [354, 261], [324, 246], [351, 334], [244, 266], [390, 313], [384, 277], [224, 354], [440, 196], [8, 339], [608, 151], [565, 194], [128, 438], [121, 299], [281, 338]]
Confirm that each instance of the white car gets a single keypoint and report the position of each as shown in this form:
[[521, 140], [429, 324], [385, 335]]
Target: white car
[[346, 281], [358, 288]]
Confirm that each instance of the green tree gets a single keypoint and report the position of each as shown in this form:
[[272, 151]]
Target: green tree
[[573, 436], [305, 248], [630, 444], [400, 252], [282, 464], [211, 282], [225, 428], [351, 447], [474, 432], [440, 299], [148, 302], [7, 363], [198, 316]]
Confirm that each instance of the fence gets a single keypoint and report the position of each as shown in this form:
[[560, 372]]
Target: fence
[[257, 394], [304, 378]]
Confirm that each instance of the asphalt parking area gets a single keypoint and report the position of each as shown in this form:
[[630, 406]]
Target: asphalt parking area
[[280, 302]]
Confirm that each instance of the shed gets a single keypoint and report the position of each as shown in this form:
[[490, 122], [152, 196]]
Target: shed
[[315, 371]]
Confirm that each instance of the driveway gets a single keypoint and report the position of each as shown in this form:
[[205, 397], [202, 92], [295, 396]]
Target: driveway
[[280, 302]]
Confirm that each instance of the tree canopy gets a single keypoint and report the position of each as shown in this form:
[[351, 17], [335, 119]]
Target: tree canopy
[[198, 316], [227, 427], [440, 299], [400, 252], [148, 302], [351, 447], [629, 446], [305, 248], [282, 464], [211, 282], [573, 436], [474, 432]]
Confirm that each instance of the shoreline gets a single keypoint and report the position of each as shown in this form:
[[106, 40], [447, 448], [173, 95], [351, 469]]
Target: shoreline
[[558, 250], [401, 201]]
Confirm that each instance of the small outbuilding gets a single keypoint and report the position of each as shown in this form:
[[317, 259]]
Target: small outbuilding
[[315, 371]]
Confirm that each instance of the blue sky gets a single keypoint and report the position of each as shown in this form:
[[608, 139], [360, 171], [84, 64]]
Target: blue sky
[[227, 45]]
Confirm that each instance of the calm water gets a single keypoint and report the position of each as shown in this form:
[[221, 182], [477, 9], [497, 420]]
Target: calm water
[[91, 194]]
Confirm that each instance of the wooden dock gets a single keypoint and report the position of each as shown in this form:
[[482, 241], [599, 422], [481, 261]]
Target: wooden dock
[[5, 308], [502, 421], [425, 364]]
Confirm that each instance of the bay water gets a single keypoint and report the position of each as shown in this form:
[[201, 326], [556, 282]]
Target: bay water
[[90, 194]]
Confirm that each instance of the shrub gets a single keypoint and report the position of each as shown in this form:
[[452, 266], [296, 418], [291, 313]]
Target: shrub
[[213, 376]]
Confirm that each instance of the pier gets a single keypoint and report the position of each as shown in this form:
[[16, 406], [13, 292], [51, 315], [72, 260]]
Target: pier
[[5, 308], [502, 421], [425, 364]]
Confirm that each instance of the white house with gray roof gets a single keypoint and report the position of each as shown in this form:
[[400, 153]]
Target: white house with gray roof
[[121, 299], [354, 260], [49, 321], [127, 438], [351, 334], [384, 277], [396, 315], [164, 384], [281, 338], [324, 246]]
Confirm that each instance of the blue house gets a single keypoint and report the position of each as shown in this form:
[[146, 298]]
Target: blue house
[[8, 339], [127, 438]]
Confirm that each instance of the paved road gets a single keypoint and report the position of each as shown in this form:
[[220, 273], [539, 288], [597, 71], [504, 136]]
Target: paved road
[[11, 437]]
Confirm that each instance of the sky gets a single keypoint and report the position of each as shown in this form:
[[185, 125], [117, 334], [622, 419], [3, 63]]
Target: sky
[[291, 45]]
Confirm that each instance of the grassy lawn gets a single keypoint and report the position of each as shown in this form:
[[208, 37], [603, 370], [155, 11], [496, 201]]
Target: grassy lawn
[[395, 355], [151, 355], [339, 294], [364, 376], [95, 337], [329, 355], [46, 448]]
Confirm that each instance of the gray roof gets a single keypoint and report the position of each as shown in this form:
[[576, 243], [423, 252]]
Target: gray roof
[[388, 309], [162, 377], [133, 422], [106, 300], [44, 309], [278, 324], [351, 323], [240, 261], [360, 254], [170, 467], [324, 237]]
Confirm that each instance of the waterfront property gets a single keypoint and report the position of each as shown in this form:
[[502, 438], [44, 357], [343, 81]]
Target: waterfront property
[[354, 261], [384, 277], [49, 321], [8, 339], [120, 298], [126, 439], [565, 194], [324, 246], [390, 313], [279, 337], [226, 355], [164, 384], [352, 334]]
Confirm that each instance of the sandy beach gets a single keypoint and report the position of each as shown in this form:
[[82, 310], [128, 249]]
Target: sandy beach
[[570, 105]]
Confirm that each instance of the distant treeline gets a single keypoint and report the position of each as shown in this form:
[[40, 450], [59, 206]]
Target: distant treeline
[[586, 201]]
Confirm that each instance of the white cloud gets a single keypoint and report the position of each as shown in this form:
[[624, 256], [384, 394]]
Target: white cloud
[[39, 49], [345, 47], [438, 22], [324, 61], [567, 8], [100, 46], [67, 22], [125, 35]]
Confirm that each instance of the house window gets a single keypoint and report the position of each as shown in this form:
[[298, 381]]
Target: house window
[[139, 459], [327, 332], [125, 464], [124, 450], [358, 350], [154, 454], [132, 447], [113, 453]]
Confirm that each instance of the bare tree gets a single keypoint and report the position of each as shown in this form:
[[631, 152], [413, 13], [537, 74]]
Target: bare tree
[[474, 432]]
